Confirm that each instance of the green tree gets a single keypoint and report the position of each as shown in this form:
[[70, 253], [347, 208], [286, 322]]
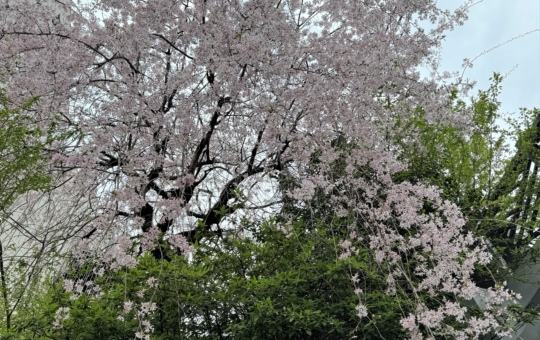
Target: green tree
[[21, 153], [465, 162], [22, 162], [495, 186], [268, 286]]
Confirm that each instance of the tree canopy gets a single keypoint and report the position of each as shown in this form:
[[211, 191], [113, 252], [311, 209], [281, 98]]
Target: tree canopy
[[226, 138]]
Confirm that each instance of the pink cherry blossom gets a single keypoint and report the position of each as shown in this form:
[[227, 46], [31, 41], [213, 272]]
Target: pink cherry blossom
[[182, 114]]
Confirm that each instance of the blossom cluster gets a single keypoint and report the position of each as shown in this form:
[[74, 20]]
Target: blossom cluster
[[172, 109]]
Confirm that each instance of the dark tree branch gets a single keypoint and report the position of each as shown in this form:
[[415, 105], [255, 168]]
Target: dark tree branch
[[153, 186], [254, 151], [108, 160], [174, 46], [147, 213]]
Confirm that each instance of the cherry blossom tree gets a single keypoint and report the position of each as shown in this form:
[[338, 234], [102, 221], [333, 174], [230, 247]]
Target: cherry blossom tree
[[183, 114]]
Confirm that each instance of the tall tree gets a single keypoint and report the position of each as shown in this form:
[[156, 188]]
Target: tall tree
[[493, 183], [188, 111]]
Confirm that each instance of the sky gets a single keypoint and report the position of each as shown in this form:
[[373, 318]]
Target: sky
[[492, 22]]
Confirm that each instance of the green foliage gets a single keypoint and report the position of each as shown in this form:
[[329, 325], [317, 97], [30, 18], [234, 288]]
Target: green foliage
[[22, 168], [495, 185], [465, 162], [21, 153], [267, 287]]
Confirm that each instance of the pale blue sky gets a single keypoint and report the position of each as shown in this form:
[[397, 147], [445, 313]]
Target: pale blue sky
[[492, 22]]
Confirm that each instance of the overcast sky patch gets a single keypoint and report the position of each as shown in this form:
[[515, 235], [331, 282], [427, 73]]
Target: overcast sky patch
[[492, 22]]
